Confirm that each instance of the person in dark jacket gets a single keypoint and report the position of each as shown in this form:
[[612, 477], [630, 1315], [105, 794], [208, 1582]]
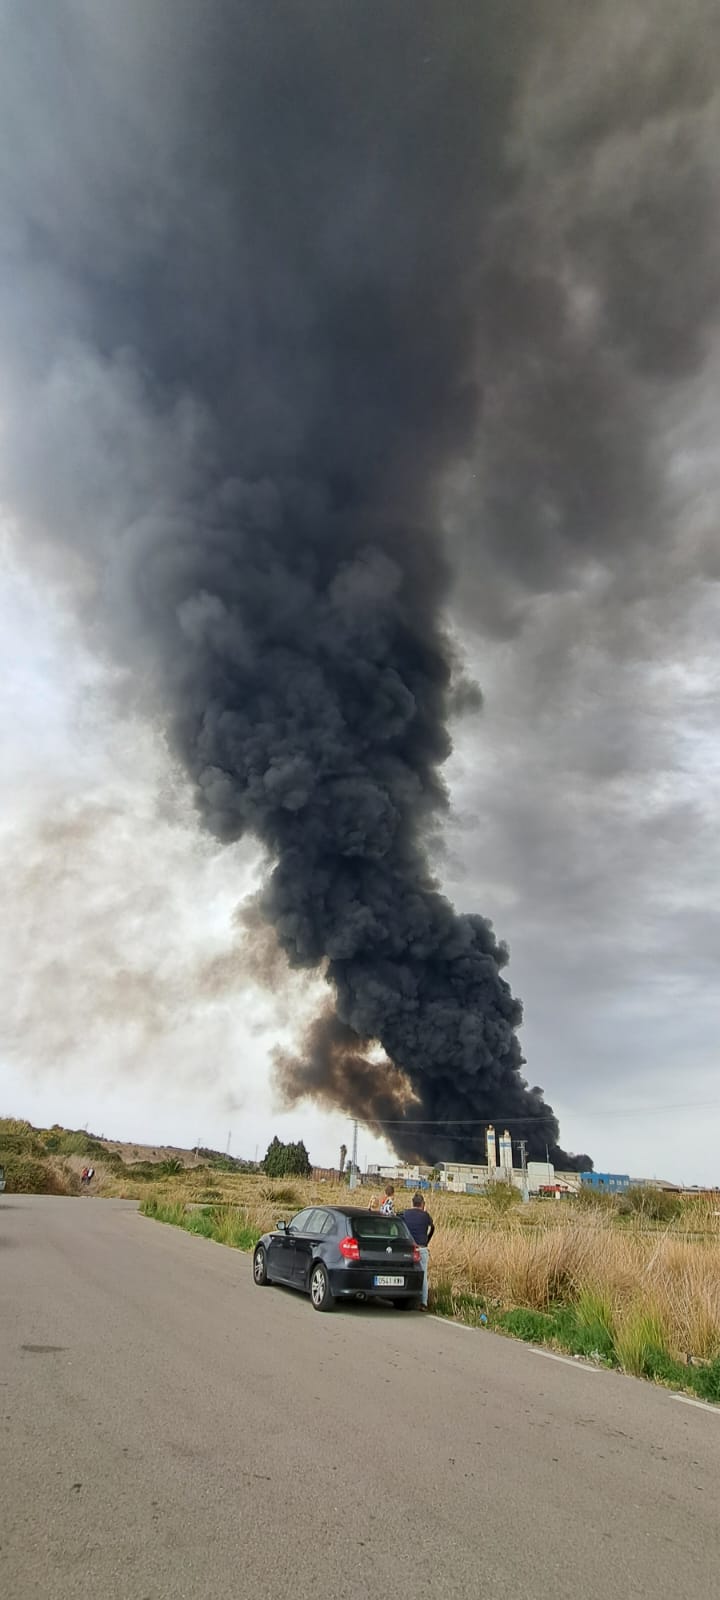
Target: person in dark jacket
[[422, 1228]]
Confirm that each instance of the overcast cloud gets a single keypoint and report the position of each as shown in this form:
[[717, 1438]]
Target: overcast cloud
[[570, 457]]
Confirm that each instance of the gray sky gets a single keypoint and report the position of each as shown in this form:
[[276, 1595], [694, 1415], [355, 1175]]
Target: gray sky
[[578, 503]]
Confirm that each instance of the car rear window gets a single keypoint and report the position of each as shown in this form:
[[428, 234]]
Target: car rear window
[[376, 1226]]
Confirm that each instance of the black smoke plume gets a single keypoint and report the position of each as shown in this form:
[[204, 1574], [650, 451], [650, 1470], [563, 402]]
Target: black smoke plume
[[329, 260]]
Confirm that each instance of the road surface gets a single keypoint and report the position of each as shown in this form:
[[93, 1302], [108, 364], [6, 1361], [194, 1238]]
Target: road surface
[[170, 1430]]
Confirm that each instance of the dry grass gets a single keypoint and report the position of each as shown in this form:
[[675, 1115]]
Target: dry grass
[[671, 1280], [616, 1271]]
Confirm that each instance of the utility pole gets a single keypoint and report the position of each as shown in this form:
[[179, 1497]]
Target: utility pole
[[523, 1163], [353, 1160]]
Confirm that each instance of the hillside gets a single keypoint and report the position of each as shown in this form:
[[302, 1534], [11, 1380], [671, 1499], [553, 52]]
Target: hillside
[[50, 1160]]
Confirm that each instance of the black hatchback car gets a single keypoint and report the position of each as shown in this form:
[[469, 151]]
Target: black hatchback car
[[340, 1253]]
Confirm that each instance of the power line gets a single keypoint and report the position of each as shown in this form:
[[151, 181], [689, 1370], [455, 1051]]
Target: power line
[[577, 1111]]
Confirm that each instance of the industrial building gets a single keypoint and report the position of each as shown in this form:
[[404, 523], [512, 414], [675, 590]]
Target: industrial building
[[458, 1177], [608, 1182], [472, 1178], [397, 1171], [462, 1177]]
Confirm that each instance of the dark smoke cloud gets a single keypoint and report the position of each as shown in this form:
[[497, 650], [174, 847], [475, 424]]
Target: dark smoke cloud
[[286, 284], [334, 1069]]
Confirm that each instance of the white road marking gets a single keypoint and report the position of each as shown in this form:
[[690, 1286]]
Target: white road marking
[[549, 1355], [567, 1361], [701, 1404], [449, 1322]]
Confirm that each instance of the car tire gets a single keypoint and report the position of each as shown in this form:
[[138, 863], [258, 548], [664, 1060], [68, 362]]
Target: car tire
[[260, 1274], [320, 1292], [406, 1305]]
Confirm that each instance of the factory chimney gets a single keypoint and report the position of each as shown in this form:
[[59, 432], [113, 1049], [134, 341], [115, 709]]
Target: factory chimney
[[491, 1147], [506, 1159]]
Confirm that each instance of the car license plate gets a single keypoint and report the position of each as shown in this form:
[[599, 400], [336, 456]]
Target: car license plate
[[382, 1281]]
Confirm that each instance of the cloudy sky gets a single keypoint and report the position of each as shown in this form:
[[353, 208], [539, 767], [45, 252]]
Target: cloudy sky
[[575, 495]]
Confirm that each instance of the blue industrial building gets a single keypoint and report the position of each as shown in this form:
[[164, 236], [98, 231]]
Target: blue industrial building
[[611, 1182]]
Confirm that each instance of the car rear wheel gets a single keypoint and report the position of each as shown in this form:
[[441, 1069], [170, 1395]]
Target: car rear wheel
[[320, 1291], [406, 1305], [260, 1267]]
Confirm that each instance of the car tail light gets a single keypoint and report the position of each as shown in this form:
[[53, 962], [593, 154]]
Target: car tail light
[[416, 1255], [349, 1248]]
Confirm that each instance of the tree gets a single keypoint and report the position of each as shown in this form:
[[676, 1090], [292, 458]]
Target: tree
[[286, 1160]]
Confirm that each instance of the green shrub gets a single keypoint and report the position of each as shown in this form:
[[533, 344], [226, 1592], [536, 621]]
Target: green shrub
[[640, 1342], [280, 1194], [225, 1224], [11, 1127], [705, 1380], [502, 1196], [663, 1368], [26, 1174], [657, 1205], [593, 1315], [198, 1222], [536, 1327], [18, 1139], [232, 1227], [590, 1199], [172, 1211]]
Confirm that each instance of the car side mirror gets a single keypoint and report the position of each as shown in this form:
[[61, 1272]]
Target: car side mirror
[[282, 1227]]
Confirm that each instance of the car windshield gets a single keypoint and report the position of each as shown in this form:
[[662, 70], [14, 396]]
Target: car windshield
[[379, 1227]]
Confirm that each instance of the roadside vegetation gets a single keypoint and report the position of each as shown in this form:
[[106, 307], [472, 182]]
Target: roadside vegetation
[[50, 1161], [31, 1167], [630, 1281], [225, 1224], [615, 1283]]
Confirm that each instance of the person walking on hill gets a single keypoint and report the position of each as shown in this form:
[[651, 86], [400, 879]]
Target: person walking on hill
[[421, 1226]]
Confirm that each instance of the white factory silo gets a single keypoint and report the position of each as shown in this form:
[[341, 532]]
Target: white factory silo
[[491, 1148], [506, 1159]]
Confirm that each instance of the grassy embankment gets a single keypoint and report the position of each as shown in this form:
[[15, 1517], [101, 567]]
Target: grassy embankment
[[50, 1161], [633, 1288], [637, 1291]]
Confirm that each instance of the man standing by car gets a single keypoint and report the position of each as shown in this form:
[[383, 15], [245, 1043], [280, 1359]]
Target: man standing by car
[[422, 1228]]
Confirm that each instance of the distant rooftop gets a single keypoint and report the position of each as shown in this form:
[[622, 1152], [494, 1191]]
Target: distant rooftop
[[654, 1183]]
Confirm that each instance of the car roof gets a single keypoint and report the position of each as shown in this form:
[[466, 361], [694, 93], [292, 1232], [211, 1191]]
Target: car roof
[[341, 1211]]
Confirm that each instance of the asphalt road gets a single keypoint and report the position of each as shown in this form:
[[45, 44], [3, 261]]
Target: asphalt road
[[169, 1430]]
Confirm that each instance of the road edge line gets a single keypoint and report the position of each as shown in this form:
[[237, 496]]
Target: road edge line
[[701, 1405]]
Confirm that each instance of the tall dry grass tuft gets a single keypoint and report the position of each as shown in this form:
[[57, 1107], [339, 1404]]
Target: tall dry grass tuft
[[672, 1280], [641, 1334]]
